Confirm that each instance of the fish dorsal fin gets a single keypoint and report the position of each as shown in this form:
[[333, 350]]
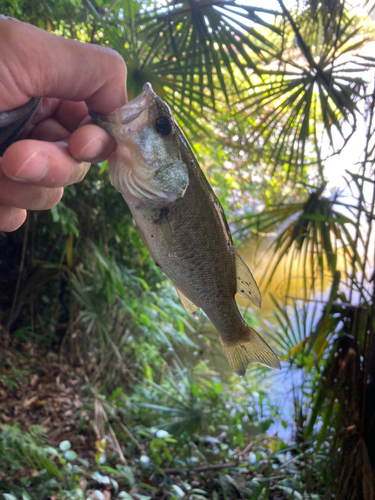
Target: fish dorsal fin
[[246, 284], [190, 307], [222, 219]]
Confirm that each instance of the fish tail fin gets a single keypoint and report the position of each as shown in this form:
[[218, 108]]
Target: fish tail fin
[[251, 348]]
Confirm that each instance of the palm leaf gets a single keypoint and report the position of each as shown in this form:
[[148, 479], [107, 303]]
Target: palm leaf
[[293, 331], [213, 38], [312, 231], [312, 86]]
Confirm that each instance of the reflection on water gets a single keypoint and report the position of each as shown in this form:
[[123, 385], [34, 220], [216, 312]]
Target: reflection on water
[[259, 258]]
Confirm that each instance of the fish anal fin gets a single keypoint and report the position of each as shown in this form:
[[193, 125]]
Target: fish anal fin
[[252, 349], [246, 284], [190, 307]]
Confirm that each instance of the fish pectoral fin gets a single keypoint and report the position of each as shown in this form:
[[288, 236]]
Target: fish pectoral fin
[[165, 226], [246, 284], [190, 307], [252, 349]]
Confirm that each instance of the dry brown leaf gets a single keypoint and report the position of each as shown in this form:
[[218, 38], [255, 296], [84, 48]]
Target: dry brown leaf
[[34, 380], [83, 483], [30, 401]]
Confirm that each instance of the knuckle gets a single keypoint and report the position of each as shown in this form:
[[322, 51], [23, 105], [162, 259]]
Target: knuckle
[[79, 172], [116, 60], [51, 198], [116, 63]]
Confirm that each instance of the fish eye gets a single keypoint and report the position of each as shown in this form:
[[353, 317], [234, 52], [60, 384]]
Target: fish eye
[[163, 125]]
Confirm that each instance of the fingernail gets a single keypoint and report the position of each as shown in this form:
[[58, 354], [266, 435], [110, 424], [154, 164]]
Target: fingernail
[[33, 169], [91, 150]]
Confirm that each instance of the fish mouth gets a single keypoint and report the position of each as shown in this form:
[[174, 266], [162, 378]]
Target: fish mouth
[[129, 112], [137, 105], [98, 117]]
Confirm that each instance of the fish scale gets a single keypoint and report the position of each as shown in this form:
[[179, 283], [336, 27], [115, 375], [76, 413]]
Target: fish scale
[[183, 224]]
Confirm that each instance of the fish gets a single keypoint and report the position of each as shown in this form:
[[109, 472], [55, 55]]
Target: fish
[[183, 223]]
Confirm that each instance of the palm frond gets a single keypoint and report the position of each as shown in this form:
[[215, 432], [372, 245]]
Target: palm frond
[[294, 324], [314, 232], [309, 86], [213, 38]]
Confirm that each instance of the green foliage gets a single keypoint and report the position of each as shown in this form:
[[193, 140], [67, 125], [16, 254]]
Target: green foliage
[[264, 96], [43, 468], [153, 451], [123, 310], [193, 402], [27, 449]]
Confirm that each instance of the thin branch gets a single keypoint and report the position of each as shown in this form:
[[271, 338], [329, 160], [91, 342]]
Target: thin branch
[[111, 8], [129, 434], [346, 140], [359, 207], [202, 468], [247, 449], [22, 263], [370, 221], [317, 147], [101, 415]]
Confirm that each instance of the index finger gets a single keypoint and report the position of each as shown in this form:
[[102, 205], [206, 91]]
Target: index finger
[[40, 64]]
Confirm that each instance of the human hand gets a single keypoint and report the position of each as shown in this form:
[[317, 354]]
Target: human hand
[[59, 143]]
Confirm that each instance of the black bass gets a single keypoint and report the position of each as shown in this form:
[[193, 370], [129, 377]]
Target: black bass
[[182, 223]]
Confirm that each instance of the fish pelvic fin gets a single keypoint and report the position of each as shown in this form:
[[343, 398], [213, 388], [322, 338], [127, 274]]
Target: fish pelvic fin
[[190, 307], [251, 349]]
